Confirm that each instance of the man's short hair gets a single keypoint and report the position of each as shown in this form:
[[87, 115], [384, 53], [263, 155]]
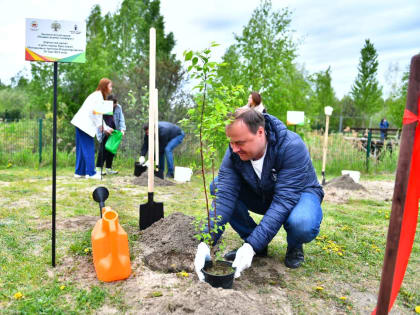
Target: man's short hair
[[252, 118], [146, 126]]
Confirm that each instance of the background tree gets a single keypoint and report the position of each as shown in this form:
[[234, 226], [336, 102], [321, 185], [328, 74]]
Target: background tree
[[366, 92], [323, 96], [395, 103], [263, 59]]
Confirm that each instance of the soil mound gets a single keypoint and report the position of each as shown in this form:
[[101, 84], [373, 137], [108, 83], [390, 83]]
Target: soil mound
[[344, 182], [142, 181], [169, 244]]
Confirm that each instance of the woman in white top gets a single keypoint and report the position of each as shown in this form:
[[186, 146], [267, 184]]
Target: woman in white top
[[254, 101], [88, 123]]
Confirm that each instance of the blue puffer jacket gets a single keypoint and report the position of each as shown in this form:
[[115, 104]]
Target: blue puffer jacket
[[287, 173]]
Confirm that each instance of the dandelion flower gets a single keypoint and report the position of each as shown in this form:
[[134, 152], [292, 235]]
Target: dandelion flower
[[343, 298], [319, 288], [183, 274], [86, 250], [417, 309], [62, 287], [18, 295]]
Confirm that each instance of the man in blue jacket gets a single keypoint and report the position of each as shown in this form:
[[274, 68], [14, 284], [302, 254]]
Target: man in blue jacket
[[267, 170], [170, 136]]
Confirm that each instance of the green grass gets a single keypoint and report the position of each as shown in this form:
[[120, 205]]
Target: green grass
[[343, 154], [349, 249]]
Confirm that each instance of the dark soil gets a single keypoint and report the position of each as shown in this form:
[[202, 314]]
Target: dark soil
[[219, 269], [344, 182], [142, 181], [169, 244]]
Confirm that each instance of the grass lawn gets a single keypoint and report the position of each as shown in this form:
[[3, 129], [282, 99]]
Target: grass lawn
[[342, 268]]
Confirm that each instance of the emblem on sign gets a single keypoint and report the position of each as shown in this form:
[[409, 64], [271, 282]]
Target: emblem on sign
[[55, 26], [34, 25]]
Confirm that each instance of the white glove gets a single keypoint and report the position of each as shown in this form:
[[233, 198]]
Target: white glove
[[243, 259], [203, 254], [142, 160]]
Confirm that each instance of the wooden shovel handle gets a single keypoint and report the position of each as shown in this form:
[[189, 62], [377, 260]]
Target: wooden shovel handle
[[156, 126], [152, 80]]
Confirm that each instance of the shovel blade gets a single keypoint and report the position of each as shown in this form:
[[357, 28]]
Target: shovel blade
[[150, 213], [139, 169]]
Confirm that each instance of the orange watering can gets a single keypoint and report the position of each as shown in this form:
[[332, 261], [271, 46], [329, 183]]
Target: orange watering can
[[111, 256]]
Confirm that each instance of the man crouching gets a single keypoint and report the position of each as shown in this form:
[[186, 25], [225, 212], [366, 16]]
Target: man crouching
[[267, 170]]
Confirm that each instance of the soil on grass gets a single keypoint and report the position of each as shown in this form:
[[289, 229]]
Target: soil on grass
[[80, 223], [169, 244], [267, 287], [344, 182], [142, 181], [372, 190]]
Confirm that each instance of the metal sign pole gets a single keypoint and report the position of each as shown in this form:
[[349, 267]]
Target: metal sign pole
[[54, 162]]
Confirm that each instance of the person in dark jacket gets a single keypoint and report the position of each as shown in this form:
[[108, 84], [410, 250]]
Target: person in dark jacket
[[267, 170], [384, 125], [170, 136], [115, 121]]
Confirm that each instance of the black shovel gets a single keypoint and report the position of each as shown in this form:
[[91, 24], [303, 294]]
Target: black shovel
[[151, 211]]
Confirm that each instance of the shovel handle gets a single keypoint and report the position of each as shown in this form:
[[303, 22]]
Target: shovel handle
[[156, 126], [152, 80]]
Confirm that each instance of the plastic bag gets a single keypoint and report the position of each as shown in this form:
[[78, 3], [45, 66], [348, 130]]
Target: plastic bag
[[113, 141]]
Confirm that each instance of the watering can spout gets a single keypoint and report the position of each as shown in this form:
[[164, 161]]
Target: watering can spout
[[100, 195]]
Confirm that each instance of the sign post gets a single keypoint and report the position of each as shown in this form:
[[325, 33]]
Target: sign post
[[55, 41], [328, 111], [295, 118]]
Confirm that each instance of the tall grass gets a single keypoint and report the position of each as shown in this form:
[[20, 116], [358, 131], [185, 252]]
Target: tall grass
[[346, 154], [19, 147]]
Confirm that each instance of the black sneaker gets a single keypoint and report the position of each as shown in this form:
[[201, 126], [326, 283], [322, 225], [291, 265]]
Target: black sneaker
[[232, 254], [294, 257]]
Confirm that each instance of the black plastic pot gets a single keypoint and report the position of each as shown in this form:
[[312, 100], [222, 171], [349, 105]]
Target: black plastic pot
[[218, 281], [139, 169]]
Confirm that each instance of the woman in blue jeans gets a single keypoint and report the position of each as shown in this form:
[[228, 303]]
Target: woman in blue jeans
[[88, 124]]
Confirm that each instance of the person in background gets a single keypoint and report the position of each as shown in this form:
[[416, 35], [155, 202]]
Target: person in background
[[384, 125], [170, 136], [88, 124], [254, 101], [115, 121]]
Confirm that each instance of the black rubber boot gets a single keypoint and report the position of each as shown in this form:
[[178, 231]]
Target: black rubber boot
[[232, 254], [294, 257]]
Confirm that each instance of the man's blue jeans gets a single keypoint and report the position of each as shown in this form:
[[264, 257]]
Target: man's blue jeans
[[168, 152], [302, 225]]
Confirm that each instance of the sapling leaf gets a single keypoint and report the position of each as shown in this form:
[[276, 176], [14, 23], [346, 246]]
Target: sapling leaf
[[188, 55]]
